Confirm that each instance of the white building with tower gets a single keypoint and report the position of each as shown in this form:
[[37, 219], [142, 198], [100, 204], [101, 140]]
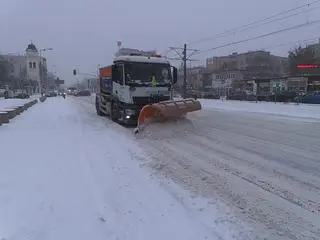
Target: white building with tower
[[36, 66], [26, 71]]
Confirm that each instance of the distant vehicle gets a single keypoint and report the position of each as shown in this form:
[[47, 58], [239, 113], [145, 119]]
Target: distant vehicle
[[83, 93], [72, 91], [309, 98], [51, 94], [22, 96], [8, 94]]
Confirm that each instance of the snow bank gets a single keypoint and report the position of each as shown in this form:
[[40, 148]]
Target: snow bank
[[288, 109], [13, 102], [178, 128]]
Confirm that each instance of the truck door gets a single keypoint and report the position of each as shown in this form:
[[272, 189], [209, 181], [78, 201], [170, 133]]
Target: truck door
[[118, 82], [122, 84]]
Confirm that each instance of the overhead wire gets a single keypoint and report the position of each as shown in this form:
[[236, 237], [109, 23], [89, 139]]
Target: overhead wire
[[261, 22], [262, 36], [291, 43]]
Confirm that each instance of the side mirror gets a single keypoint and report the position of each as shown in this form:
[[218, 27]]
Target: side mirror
[[174, 75], [74, 72]]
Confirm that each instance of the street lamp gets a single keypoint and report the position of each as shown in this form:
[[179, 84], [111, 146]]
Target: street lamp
[[41, 70]]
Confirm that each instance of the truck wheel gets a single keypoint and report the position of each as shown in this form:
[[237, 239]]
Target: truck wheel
[[114, 112], [99, 113]]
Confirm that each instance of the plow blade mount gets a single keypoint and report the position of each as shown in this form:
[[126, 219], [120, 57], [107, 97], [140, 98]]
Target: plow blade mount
[[166, 110]]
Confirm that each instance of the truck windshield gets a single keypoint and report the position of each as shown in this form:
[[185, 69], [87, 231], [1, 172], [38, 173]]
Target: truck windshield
[[147, 73]]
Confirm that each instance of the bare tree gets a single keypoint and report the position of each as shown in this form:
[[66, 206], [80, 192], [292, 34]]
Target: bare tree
[[300, 56]]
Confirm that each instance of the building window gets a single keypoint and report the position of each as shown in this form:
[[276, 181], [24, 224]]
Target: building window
[[34, 65], [30, 64]]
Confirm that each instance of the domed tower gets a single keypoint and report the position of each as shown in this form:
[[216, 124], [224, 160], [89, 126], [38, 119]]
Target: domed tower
[[33, 63], [32, 50]]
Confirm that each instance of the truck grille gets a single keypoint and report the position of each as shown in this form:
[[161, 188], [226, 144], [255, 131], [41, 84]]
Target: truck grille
[[149, 100]]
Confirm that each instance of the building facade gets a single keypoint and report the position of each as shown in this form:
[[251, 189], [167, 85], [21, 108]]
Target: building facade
[[250, 61], [18, 66], [26, 71]]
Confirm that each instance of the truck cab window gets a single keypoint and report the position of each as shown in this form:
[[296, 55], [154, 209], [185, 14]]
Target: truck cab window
[[119, 74]]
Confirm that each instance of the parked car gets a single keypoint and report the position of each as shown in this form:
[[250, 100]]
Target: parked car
[[310, 98], [8, 94], [51, 94], [22, 96]]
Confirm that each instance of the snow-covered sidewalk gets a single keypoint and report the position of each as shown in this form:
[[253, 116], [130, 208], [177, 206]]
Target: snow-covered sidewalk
[[64, 176], [280, 109], [14, 102]]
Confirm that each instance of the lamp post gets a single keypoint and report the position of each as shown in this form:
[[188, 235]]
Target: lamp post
[[41, 63]]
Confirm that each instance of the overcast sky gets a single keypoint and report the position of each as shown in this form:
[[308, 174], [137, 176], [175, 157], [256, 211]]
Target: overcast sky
[[84, 33]]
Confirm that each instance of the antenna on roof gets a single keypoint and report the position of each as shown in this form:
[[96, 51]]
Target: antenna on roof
[[119, 43]]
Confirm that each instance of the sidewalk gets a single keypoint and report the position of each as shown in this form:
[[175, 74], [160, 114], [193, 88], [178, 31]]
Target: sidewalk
[[13, 102]]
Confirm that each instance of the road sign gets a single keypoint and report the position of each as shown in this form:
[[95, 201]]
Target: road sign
[[59, 82]]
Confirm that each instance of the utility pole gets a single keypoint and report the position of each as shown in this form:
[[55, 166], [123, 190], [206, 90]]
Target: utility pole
[[184, 58], [41, 68], [184, 70]]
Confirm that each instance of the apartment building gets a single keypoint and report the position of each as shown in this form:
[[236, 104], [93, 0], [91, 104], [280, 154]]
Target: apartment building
[[261, 61]]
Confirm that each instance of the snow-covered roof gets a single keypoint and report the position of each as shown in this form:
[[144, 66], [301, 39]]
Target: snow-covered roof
[[142, 59]]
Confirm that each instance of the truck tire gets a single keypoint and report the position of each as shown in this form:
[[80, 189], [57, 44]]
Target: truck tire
[[114, 112], [99, 113]]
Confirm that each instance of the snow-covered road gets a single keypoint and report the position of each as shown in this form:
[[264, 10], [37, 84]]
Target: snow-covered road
[[70, 174], [67, 174], [265, 166], [261, 159]]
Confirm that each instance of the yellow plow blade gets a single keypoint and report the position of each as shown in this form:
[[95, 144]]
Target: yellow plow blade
[[166, 110]]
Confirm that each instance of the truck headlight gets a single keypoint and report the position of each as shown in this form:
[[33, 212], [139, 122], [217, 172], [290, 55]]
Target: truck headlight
[[129, 111]]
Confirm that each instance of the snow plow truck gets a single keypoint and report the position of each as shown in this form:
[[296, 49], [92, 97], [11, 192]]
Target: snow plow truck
[[137, 90]]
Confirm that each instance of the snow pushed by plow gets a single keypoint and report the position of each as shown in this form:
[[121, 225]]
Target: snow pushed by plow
[[166, 130]]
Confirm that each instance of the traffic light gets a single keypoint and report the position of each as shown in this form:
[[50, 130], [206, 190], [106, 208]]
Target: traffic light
[[74, 72]]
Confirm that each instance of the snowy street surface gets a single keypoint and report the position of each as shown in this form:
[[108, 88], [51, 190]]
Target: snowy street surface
[[234, 170], [262, 159], [67, 174]]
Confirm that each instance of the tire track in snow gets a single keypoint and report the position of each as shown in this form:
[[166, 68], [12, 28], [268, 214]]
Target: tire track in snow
[[256, 179], [189, 161]]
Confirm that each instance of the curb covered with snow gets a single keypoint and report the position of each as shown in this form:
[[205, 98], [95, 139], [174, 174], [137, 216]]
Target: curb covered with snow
[[291, 110], [10, 108]]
